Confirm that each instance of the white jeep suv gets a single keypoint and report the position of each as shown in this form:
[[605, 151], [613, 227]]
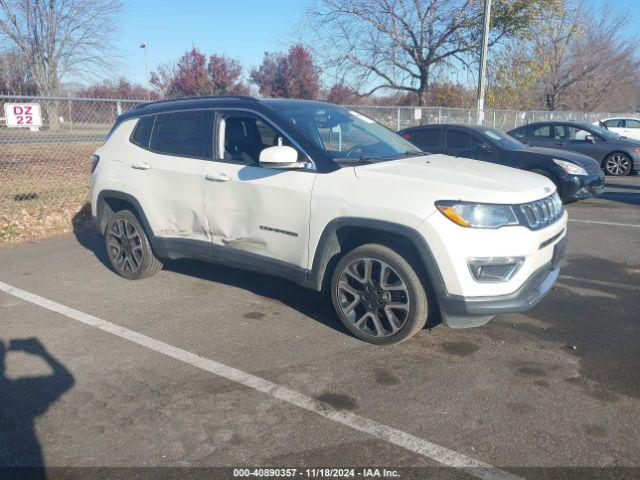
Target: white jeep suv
[[332, 200]]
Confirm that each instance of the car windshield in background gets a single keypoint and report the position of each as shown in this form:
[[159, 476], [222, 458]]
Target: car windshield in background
[[346, 135], [603, 132], [502, 139]]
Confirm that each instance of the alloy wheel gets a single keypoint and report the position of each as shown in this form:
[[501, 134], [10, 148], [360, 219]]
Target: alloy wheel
[[125, 246], [373, 297], [618, 164]]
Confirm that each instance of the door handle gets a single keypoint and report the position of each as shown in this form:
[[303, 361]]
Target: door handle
[[140, 165], [216, 177]]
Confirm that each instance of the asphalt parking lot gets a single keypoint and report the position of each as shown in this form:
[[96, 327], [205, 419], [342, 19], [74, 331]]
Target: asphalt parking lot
[[204, 366]]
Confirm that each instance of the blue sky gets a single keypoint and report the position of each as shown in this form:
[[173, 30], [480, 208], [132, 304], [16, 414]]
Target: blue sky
[[243, 29]]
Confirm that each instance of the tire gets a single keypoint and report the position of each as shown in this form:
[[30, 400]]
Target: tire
[[128, 247], [617, 164], [371, 312]]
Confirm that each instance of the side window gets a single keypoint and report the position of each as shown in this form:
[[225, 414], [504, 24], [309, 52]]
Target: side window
[[632, 123], [186, 134], [617, 123], [457, 140], [142, 132], [428, 138], [573, 133], [543, 131], [246, 136]]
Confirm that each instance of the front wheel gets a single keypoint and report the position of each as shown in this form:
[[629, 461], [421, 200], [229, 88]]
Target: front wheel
[[617, 164], [128, 248], [378, 296]]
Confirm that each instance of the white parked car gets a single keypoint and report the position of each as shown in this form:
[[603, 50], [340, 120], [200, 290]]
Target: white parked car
[[332, 200], [627, 127]]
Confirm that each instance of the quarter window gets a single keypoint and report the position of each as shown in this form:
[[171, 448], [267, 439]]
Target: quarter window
[[142, 132], [185, 134], [632, 123]]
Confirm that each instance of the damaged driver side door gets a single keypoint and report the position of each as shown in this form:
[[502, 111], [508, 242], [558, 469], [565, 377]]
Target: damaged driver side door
[[252, 208]]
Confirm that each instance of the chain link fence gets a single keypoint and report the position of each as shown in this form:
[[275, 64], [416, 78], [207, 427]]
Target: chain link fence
[[398, 118], [44, 171]]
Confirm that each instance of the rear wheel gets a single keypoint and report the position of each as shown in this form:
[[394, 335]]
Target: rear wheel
[[618, 164], [378, 296], [128, 247]]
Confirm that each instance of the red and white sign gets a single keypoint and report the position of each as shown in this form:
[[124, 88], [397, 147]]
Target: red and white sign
[[23, 115]]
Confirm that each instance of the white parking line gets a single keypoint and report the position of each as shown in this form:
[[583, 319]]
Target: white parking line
[[397, 437], [614, 224]]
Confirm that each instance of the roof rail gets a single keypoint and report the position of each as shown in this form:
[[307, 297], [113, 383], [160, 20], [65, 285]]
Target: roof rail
[[204, 97]]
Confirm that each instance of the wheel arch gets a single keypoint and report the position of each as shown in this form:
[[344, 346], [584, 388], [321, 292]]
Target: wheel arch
[[626, 154], [112, 201], [344, 234]]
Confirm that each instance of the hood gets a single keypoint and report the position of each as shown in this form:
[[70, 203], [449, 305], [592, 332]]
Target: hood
[[578, 158], [455, 178]]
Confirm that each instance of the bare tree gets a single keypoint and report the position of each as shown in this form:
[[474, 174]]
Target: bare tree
[[15, 76], [59, 37], [401, 44], [585, 55]]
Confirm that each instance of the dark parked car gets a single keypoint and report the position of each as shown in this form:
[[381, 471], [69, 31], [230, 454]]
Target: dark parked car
[[616, 154], [576, 176]]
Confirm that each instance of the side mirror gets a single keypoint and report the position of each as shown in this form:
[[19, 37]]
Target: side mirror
[[590, 139], [280, 157]]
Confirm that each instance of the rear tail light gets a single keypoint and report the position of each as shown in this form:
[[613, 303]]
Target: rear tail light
[[94, 162], [406, 136]]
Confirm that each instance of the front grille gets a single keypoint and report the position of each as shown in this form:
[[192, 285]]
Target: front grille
[[542, 213]]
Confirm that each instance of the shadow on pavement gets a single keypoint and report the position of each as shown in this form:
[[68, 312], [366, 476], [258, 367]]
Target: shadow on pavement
[[308, 302], [21, 401]]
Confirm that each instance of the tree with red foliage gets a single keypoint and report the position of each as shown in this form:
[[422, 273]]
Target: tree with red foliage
[[122, 88], [341, 94], [193, 75], [288, 75]]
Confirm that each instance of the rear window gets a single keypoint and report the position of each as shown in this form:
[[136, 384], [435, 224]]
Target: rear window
[[185, 134], [142, 132]]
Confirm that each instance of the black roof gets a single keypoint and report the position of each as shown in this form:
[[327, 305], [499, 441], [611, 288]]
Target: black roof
[[560, 122], [458, 125], [237, 101]]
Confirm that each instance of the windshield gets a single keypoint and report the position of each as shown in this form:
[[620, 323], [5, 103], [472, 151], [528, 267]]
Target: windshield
[[346, 135], [502, 139], [603, 132]]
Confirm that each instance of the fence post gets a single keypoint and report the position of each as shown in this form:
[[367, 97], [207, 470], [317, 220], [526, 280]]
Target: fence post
[[439, 115], [469, 117], [398, 119], [118, 108]]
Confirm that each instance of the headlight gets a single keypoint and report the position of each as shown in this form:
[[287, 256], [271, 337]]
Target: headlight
[[478, 215], [570, 168]]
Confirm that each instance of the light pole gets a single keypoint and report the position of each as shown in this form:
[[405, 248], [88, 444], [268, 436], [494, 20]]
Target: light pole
[[483, 60], [146, 69]]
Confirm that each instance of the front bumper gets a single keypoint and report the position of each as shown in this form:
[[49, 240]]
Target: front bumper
[[579, 187], [465, 312]]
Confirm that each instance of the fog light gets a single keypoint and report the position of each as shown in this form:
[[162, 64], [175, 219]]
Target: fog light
[[494, 269]]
